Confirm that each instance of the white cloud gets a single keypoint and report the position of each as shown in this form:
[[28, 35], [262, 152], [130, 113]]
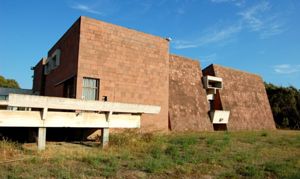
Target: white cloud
[[253, 15], [286, 68], [212, 37], [86, 8], [182, 44], [259, 18], [273, 28], [221, 35]]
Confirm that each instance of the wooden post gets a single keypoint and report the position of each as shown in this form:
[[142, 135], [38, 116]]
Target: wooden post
[[104, 137], [42, 138]]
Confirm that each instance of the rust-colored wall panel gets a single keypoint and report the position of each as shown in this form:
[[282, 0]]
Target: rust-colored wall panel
[[132, 67], [38, 78], [69, 46], [188, 106], [244, 95]]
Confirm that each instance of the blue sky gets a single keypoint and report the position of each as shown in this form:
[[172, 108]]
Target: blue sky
[[258, 36]]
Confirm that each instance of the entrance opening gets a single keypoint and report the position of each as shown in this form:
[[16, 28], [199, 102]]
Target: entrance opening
[[220, 127], [69, 88]]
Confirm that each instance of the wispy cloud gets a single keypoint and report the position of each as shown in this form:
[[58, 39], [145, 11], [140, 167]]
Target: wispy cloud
[[182, 44], [214, 37], [286, 68], [208, 58], [252, 15], [259, 18], [275, 27], [235, 2], [86, 8], [220, 35]]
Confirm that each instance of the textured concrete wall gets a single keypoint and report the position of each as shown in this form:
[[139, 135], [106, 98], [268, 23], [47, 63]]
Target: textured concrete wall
[[244, 95], [188, 106], [132, 67], [69, 46]]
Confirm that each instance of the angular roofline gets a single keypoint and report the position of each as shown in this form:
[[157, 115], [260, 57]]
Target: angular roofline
[[156, 36], [82, 17], [66, 32], [187, 58], [40, 61], [209, 66], [230, 68]]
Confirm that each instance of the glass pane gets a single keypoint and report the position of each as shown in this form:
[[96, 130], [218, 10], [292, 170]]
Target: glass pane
[[90, 89]]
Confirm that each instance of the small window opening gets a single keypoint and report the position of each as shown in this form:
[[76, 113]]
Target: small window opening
[[104, 98]]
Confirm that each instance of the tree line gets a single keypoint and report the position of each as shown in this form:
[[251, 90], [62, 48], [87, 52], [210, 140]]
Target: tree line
[[8, 83], [285, 104]]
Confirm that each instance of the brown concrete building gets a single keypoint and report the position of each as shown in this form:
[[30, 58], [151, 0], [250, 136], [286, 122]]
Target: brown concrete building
[[95, 60], [244, 95]]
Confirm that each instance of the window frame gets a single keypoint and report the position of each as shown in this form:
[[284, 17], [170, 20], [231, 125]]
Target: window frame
[[96, 88], [52, 62]]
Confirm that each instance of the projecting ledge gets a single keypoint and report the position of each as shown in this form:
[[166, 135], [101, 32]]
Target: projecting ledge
[[78, 104], [219, 116]]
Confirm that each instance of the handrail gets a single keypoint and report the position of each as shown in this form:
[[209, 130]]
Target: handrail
[[31, 101]]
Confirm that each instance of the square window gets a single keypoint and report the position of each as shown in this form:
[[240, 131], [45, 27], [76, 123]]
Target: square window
[[90, 89]]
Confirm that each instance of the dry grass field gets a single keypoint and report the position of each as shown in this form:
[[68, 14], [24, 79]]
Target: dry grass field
[[261, 154]]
